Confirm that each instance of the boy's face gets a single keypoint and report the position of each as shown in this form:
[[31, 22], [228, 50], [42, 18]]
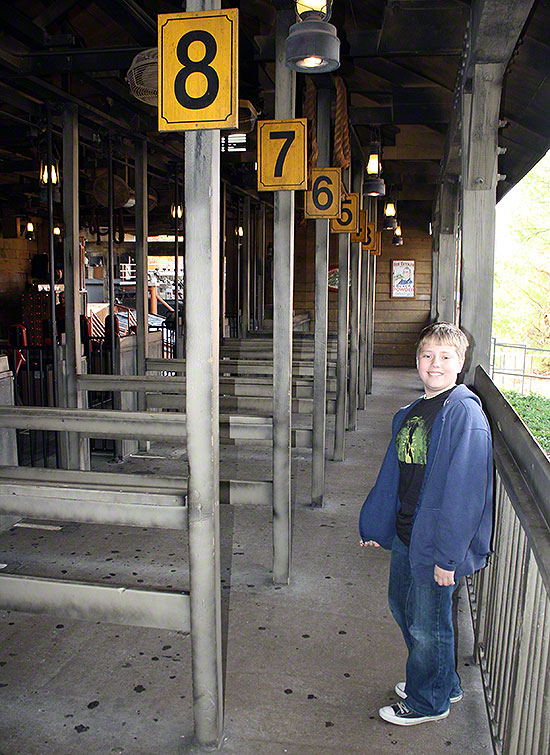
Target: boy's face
[[438, 365]]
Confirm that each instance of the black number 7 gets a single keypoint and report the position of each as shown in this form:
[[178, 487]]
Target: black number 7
[[288, 136]]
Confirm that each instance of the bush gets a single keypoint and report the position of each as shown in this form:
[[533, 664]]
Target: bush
[[534, 410]]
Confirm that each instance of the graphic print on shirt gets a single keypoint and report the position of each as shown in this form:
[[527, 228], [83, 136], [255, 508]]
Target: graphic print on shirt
[[412, 441]]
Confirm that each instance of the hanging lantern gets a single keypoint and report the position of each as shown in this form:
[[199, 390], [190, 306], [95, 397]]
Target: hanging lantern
[[312, 45]]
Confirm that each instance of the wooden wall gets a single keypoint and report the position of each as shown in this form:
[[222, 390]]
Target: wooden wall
[[398, 322], [15, 266]]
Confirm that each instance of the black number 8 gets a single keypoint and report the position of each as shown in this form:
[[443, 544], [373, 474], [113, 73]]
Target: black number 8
[[196, 66], [369, 236], [317, 191]]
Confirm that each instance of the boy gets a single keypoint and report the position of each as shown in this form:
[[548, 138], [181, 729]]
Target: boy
[[432, 506]]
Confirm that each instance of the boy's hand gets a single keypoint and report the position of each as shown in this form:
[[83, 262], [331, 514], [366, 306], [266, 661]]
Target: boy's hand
[[443, 577], [364, 543]]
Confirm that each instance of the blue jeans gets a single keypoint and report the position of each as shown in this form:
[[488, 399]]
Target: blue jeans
[[423, 611]]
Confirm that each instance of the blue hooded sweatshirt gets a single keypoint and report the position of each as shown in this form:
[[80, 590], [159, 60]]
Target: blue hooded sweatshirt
[[453, 519]]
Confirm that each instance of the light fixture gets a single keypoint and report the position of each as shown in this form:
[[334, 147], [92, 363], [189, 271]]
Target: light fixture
[[239, 231], [373, 164], [179, 211], [29, 230], [312, 45], [389, 224], [398, 231], [49, 172], [389, 208], [397, 240], [56, 230], [374, 186]]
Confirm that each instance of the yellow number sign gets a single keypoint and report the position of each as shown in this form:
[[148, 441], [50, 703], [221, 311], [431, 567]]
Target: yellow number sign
[[348, 222], [361, 234], [323, 201], [282, 152], [370, 238], [198, 62]]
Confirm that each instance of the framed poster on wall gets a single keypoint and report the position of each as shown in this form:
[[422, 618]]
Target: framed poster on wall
[[402, 279]]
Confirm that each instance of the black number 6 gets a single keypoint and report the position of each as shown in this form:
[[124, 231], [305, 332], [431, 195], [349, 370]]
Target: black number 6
[[318, 190], [196, 66]]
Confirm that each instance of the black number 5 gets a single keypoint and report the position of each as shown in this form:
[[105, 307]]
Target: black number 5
[[346, 216], [288, 137], [196, 66]]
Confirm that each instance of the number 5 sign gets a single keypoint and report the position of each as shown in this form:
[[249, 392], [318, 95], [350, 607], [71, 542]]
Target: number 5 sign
[[198, 60], [282, 154]]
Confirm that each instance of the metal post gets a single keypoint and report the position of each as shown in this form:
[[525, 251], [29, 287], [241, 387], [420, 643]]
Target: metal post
[[111, 256], [363, 314], [370, 320], [321, 313], [142, 304], [71, 263], [202, 303], [342, 362], [245, 267], [51, 255], [355, 260], [177, 333], [261, 273], [283, 287]]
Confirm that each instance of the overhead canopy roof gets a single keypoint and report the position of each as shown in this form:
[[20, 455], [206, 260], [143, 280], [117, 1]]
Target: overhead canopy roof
[[400, 61]]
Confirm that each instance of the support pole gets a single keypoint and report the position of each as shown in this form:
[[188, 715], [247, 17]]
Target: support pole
[[446, 309], [177, 331], [321, 313], [261, 260], [202, 234], [76, 444], [479, 153], [370, 320], [342, 362], [355, 263], [363, 311], [283, 288], [245, 266], [142, 304]]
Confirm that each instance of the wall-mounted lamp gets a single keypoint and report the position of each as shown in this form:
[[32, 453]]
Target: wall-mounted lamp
[[398, 231], [390, 210], [29, 230], [397, 240], [178, 210], [49, 172], [389, 224], [312, 45], [57, 231], [239, 231], [373, 185]]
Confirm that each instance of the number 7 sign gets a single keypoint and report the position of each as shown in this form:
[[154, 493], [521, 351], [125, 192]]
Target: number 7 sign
[[282, 155], [198, 61]]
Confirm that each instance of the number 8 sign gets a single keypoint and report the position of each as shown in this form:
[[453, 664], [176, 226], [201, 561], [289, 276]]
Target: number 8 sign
[[198, 60]]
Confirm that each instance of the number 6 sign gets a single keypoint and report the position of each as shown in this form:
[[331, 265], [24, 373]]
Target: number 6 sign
[[282, 153], [198, 62], [323, 201]]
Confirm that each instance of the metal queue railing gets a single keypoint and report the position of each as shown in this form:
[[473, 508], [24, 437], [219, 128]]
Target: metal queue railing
[[510, 598]]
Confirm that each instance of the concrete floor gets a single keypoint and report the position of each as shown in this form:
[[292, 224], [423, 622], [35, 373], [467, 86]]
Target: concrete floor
[[307, 666]]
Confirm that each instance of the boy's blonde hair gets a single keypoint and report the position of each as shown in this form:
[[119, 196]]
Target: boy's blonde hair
[[444, 333]]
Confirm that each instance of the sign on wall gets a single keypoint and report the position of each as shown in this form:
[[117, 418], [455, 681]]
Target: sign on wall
[[198, 62], [348, 222], [361, 234], [282, 155], [323, 201], [402, 279]]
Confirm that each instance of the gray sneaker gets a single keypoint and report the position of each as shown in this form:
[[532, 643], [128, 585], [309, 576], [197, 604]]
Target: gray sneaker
[[400, 691]]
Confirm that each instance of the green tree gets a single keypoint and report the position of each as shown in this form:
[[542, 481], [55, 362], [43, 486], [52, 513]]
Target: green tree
[[522, 261]]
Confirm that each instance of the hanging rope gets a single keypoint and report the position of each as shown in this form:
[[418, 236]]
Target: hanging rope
[[310, 112], [342, 149]]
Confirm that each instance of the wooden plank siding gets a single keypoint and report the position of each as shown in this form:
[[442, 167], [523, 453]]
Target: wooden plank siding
[[398, 322], [15, 262]]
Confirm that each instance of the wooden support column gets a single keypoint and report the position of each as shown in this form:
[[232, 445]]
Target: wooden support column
[[479, 154], [202, 233], [76, 448], [283, 289], [447, 250], [357, 169], [321, 313]]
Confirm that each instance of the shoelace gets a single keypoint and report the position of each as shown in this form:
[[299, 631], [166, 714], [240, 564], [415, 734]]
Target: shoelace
[[402, 709]]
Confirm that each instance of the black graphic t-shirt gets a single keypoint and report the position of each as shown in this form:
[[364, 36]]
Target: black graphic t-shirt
[[412, 442]]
